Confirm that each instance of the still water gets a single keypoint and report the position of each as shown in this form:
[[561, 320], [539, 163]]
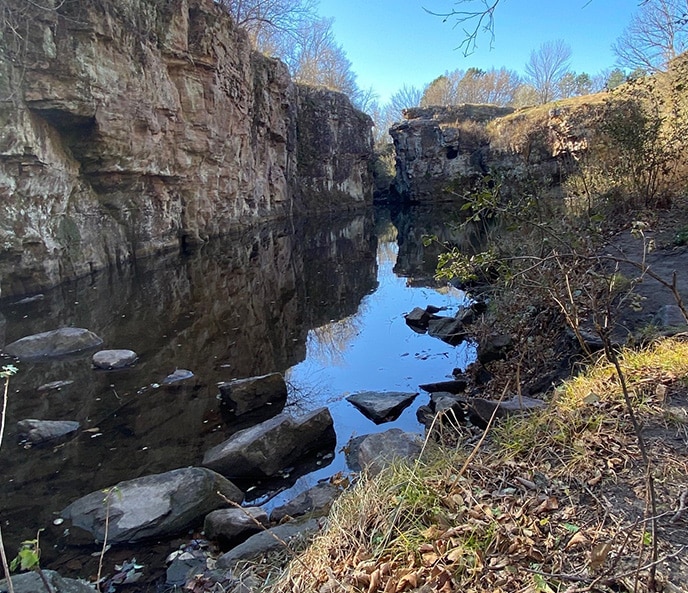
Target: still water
[[321, 301]]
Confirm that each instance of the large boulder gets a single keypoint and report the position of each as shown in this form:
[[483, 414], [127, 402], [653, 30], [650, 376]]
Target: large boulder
[[242, 396], [382, 406], [151, 506], [57, 342], [268, 447]]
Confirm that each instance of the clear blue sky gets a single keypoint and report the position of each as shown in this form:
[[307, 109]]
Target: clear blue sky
[[395, 42]]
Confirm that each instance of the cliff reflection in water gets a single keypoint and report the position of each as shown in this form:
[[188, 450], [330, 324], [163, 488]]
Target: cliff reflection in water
[[238, 307], [322, 302]]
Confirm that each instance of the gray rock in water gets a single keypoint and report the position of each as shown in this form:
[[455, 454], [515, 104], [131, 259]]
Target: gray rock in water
[[268, 447], [30, 582], [377, 451], [41, 431], [269, 541], [382, 406], [114, 359], [178, 375], [453, 386], [318, 500], [55, 385], [245, 395], [58, 342], [151, 506], [447, 329], [234, 524]]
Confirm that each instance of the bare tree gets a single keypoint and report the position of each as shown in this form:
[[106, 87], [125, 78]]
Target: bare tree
[[472, 20], [658, 32], [265, 18], [546, 68]]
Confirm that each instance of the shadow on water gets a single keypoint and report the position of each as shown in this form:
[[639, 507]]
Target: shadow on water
[[320, 301]]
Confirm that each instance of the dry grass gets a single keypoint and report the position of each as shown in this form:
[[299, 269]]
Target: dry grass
[[551, 502]]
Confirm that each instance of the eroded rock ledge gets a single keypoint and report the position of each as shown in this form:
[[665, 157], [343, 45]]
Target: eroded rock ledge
[[135, 126]]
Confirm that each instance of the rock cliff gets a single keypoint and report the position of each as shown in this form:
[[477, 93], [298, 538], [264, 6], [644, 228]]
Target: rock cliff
[[436, 145], [136, 126], [443, 152]]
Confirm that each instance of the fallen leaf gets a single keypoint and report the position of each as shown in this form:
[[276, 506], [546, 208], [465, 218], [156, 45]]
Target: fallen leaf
[[549, 504], [599, 554], [578, 539]]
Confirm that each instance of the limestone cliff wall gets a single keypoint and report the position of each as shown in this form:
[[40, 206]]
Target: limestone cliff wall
[[132, 126], [438, 145], [442, 152]]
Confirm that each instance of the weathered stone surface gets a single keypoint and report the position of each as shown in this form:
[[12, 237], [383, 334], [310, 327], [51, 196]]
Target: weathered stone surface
[[55, 385], [272, 445], [418, 318], [114, 359], [141, 126], [494, 347], [31, 582], [177, 376], [151, 506], [41, 431], [234, 524], [317, 500], [484, 408], [670, 316], [443, 152], [268, 541], [245, 395], [437, 145], [382, 406], [447, 329], [57, 342], [453, 386], [377, 451]]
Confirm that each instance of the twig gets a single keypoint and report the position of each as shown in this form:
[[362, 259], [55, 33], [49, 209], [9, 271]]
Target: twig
[[682, 504]]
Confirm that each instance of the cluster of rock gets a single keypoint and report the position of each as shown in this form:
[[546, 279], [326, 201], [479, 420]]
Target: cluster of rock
[[140, 126], [168, 504]]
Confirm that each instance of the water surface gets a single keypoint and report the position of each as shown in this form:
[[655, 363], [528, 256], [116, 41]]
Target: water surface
[[321, 301]]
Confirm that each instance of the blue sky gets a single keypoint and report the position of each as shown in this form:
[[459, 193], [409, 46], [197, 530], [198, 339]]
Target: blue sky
[[395, 42]]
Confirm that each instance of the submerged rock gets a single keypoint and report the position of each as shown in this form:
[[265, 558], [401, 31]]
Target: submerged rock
[[242, 396], [57, 342], [114, 359], [41, 431], [447, 329], [55, 385], [151, 506], [177, 376], [382, 406], [268, 447]]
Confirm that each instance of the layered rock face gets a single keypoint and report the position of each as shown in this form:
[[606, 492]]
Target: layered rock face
[[135, 126], [436, 145], [444, 152]]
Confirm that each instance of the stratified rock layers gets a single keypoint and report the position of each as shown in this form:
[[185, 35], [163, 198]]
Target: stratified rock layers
[[135, 126]]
